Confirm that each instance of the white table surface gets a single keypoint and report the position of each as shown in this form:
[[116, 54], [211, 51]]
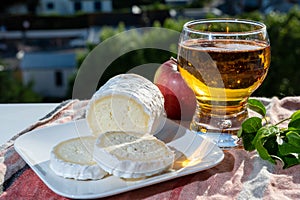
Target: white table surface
[[16, 117]]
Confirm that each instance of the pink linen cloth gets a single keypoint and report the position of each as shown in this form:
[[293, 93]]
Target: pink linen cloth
[[241, 175]]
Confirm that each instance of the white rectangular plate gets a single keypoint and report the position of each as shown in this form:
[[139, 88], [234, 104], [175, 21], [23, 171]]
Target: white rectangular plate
[[35, 146]]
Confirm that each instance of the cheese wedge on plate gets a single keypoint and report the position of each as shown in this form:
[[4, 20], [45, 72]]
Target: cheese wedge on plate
[[130, 155], [73, 158], [123, 115], [126, 102]]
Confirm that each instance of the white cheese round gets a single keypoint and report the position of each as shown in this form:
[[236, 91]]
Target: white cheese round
[[73, 159], [127, 102], [130, 155]]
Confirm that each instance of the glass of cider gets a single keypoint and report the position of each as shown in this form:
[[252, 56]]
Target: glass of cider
[[223, 61]]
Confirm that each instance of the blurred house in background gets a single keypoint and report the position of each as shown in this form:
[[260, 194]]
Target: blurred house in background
[[49, 71], [64, 7], [60, 7]]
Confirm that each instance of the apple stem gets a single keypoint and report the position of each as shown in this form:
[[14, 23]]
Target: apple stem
[[175, 66], [174, 59]]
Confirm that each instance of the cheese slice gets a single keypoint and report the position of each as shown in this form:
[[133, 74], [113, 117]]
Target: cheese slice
[[127, 102], [73, 159], [130, 155]]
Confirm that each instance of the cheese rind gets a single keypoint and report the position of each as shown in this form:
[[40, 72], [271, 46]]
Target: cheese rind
[[130, 155], [127, 102], [73, 159]]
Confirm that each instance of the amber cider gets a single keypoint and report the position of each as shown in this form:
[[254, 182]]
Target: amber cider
[[223, 73]]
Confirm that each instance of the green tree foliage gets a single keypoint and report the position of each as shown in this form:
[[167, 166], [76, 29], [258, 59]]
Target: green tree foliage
[[134, 40], [284, 33], [136, 56], [13, 91], [199, 3], [175, 24]]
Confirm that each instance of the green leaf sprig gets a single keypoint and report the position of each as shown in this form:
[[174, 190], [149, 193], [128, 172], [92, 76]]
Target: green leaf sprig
[[271, 141]]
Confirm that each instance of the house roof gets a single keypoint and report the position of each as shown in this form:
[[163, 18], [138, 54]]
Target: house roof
[[48, 60]]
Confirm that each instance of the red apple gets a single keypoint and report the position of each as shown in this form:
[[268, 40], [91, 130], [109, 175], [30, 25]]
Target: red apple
[[180, 100]]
